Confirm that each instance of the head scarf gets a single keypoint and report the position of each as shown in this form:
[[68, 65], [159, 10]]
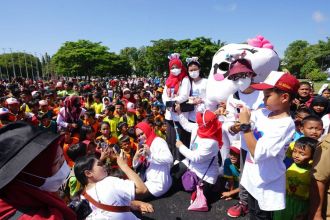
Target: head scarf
[[148, 131], [72, 109], [174, 81], [320, 101], [209, 126]]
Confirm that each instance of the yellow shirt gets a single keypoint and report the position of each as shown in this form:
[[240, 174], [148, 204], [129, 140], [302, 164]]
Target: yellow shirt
[[298, 181], [113, 125], [97, 107]]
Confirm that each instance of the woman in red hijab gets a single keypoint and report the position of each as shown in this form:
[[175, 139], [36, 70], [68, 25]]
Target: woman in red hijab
[[201, 157], [154, 153], [177, 90], [32, 170]]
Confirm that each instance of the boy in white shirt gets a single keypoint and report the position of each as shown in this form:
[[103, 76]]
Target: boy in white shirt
[[264, 172]]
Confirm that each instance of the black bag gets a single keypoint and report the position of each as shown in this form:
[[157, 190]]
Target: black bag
[[81, 208]]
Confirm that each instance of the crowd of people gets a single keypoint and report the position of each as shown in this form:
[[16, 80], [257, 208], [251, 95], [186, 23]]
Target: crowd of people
[[121, 143]]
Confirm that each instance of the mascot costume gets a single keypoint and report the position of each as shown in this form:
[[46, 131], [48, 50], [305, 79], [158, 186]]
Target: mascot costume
[[221, 84]]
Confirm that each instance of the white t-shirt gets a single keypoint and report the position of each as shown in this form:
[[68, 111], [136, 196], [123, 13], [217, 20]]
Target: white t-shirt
[[253, 101], [198, 90], [112, 191], [201, 153], [183, 95], [264, 174], [159, 180]]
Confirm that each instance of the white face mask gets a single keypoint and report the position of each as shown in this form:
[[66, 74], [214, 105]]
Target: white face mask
[[194, 74], [127, 96], [175, 71], [53, 183]]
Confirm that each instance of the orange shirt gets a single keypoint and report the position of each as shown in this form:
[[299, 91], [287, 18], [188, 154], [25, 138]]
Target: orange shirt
[[66, 146]]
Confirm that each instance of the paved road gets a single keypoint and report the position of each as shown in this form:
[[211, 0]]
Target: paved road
[[175, 207]]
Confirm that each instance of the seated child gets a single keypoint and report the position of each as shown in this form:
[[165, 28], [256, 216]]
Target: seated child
[[231, 173], [160, 128], [129, 150], [298, 180], [111, 119], [68, 141], [89, 119], [299, 115], [46, 122], [87, 133], [122, 128]]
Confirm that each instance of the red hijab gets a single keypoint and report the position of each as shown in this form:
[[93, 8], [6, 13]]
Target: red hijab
[[43, 205], [148, 131], [209, 126], [174, 81]]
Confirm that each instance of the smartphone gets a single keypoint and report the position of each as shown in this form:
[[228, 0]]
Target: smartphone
[[103, 145], [116, 148]]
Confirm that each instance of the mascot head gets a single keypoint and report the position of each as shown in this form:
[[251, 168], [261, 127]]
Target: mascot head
[[257, 54]]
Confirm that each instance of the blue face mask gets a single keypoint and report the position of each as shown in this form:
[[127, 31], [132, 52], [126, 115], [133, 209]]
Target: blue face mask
[[53, 183]]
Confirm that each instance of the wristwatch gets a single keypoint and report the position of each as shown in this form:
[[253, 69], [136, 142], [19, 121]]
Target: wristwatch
[[245, 127]]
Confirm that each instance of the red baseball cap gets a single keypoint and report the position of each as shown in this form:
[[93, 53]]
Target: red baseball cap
[[234, 149], [280, 80]]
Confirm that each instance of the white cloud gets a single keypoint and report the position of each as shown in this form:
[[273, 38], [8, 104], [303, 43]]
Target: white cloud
[[318, 17], [227, 7]]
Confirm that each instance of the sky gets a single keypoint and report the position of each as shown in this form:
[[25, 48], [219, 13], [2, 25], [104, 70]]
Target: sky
[[39, 26]]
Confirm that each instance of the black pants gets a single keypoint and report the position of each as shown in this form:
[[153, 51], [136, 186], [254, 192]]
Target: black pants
[[171, 138], [208, 189], [255, 212]]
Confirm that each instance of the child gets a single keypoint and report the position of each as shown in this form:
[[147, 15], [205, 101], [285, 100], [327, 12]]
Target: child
[[264, 172], [106, 135], [89, 119], [97, 105], [87, 133], [298, 180], [130, 117], [126, 146], [231, 173], [300, 114], [68, 141], [113, 121], [311, 126], [160, 128], [122, 129], [319, 106], [46, 122]]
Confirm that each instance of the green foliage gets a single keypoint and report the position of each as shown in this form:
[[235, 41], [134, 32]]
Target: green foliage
[[317, 75], [20, 64], [308, 67], [295, 57], [300, 57], [85, 58]]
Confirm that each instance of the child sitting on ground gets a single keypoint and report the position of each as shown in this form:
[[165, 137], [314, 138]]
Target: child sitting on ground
[[231, 173], [126, 146], [298, 180]]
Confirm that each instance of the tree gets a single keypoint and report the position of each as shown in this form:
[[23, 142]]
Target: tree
[[24, 64], [308, 67], [83, 58], [136, 58], [317, 75], [295, 56]]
